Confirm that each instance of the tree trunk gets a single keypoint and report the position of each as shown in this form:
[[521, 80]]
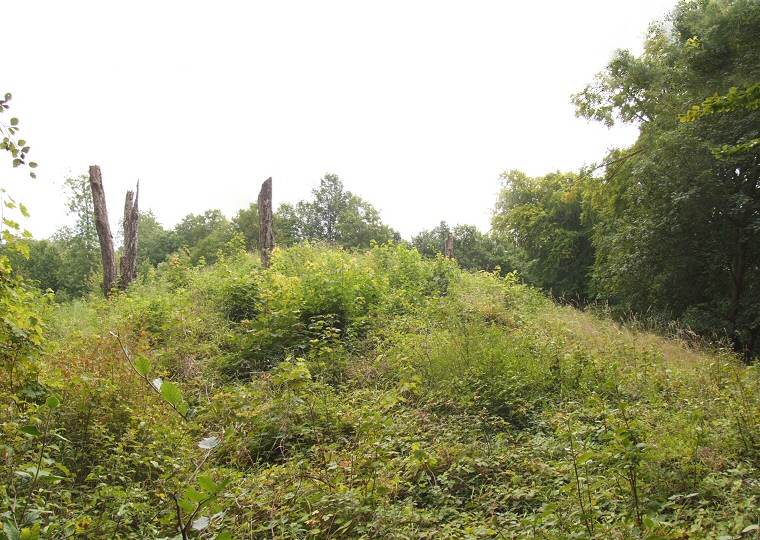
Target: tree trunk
[[450, 246], [129, 254], [266, 222], [104, 230]]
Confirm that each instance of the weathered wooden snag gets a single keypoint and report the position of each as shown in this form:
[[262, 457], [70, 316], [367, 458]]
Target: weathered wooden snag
[[108, 254], [129, 254], [266, 222], [450, 246]]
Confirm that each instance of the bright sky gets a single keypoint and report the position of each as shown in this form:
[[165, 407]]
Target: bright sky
[[417, 105]]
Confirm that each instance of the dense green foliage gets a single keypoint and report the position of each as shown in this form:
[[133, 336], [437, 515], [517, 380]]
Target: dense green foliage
[[22, 317], [745, 99], [682, 238], [544, 218], [668, 228], [473, 249], [333, 215], [368, 395]]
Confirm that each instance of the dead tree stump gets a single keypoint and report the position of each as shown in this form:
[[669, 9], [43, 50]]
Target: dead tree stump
[[129, 254], [450, 246], [266, 222], [107, 252]]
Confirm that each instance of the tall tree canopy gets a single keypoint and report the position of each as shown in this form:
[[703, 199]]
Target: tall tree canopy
[[204, 235], [78, 244], [246, 223], [333, 215], [473, 249], [156, 243], [544, 218], [679, 228]]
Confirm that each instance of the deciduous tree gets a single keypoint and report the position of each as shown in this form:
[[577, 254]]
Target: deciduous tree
[[246, 222], [682, 237], [78, 243], [544, 217], [333, 215], [204, 235], [156, 243]]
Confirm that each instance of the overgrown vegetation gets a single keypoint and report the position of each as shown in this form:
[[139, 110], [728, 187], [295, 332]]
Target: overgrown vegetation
[[364, 388], [370, 395]]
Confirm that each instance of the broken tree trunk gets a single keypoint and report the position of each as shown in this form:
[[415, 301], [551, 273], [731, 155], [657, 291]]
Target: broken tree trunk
[[104, 230], [266, 222], [129, 254], [450, 246]]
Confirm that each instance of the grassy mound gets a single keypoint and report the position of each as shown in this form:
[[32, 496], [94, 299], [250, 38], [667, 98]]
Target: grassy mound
[[375, 395]]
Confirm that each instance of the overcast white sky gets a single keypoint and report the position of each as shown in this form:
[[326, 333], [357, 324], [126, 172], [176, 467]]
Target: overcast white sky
[[417, 106]]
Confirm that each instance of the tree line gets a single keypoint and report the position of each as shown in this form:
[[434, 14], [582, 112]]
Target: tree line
[[69, 262]]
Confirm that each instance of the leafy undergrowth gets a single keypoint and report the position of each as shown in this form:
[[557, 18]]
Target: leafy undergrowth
[[371, 395]]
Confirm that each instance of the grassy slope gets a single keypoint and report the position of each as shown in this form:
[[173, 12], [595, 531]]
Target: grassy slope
[[433, 404]]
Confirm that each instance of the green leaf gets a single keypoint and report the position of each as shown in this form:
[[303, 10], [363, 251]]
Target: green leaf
[[52, 402], [142, 365], [194, 495], [208, 443], [750, 528], [187, 506], [208, 484], [31, 430], [36, 471], [46, 476], [14, 121], [223, 484], [224, 536], [31, 534], [59, 436], [11, 532], [649, 523], [171, 393]]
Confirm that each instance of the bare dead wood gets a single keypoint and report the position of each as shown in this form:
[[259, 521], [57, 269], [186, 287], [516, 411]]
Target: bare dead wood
[[266, 222], [129, 254], [450, 246], [107, 251]]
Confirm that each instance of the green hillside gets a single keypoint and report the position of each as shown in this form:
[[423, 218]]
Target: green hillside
[[367, 395]]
